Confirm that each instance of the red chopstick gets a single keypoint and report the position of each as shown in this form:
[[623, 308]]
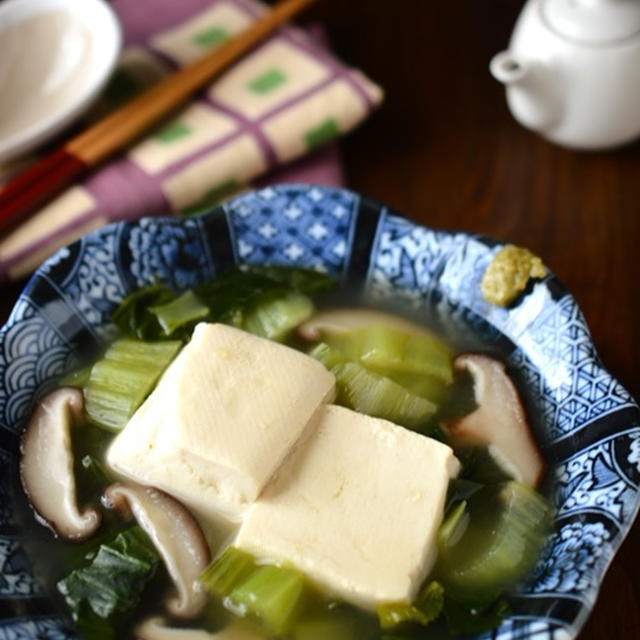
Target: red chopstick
[[47, 178], [38, 185]]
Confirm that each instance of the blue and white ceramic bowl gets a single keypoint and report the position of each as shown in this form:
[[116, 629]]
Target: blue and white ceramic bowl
[[590, 426]]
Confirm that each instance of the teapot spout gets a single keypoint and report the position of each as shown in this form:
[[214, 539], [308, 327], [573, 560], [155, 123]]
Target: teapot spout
[[533, 94], [506, 68]]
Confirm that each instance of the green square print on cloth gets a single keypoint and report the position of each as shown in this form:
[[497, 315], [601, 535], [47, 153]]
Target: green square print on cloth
[[173, 132], [324, 132], [210, 37], [268, 81]]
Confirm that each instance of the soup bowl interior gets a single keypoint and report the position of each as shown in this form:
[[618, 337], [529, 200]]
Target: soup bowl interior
[[587, 425]]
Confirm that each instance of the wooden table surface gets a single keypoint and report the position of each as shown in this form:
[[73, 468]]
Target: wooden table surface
[[445, 151]]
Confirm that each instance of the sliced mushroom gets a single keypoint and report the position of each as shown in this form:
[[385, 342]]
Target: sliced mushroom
[[177, 537], [336, 321], [499, 421], [46, 466], [156, 629]]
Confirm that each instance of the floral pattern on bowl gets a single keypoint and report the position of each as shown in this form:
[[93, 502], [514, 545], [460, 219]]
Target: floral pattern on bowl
[[589, 430]]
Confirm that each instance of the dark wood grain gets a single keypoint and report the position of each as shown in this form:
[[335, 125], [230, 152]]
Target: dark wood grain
[[445, 151]]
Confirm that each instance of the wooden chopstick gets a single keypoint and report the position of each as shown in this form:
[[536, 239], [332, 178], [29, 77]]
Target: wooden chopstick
[[49, 176]]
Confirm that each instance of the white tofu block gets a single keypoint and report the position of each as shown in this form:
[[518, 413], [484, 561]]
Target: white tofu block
[[221, 420], [356, 506]]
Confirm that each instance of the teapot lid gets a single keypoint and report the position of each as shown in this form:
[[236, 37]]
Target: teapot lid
[[595, 22]]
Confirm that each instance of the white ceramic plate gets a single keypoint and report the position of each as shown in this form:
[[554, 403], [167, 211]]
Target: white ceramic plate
[[46, 80]]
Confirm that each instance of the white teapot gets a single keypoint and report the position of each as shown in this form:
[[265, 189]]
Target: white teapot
[[572, 71]]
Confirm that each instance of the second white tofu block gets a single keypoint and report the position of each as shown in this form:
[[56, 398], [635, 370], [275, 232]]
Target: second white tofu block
[[356, 506], [222, 418]]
